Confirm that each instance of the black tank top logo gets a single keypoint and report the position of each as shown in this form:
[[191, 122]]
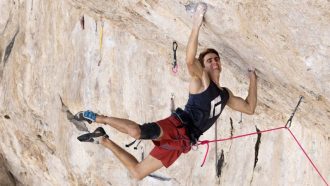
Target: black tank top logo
[[215, 107], [206, 107]]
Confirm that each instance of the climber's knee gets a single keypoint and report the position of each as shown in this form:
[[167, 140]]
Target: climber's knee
[[149, 131]]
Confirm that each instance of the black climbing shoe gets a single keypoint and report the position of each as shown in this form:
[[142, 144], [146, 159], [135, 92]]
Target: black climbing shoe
[[88, 116], [93, 137]]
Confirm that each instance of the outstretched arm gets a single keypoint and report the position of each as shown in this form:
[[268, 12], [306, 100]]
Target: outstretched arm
[[248, 105], [194, 68]]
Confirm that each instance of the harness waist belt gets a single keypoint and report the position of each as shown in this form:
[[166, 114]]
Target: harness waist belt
[[193, 132]]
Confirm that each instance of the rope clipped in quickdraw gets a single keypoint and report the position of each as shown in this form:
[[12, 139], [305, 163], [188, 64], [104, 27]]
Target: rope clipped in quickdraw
[[288, 123], [174, 64]]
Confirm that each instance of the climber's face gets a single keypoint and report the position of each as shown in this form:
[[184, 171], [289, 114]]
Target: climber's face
[[212, 63]]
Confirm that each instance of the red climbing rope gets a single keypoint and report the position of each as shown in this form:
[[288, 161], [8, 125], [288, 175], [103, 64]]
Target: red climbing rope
[[231, 138], [287, 126], [253, 133], [310, 160]]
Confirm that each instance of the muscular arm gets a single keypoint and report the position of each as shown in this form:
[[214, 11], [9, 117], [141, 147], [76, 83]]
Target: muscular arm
[[248, 105], [194, 68]]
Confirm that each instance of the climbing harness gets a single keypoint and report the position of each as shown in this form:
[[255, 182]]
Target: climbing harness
[[174, 64], [287, 126]]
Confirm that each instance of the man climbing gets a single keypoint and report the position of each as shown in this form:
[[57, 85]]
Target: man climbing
[[175, 135]]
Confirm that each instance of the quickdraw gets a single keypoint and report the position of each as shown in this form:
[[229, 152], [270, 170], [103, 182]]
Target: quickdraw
[[174, 64], [288, 123]]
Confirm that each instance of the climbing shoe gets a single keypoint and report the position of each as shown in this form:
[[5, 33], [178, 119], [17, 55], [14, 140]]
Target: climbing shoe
[[93, 137], [88, 116]]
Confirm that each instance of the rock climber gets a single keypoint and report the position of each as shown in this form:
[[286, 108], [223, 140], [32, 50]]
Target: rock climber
[[176, 134]]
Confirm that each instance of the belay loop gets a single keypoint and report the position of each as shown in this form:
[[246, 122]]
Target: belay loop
[[174, 64]]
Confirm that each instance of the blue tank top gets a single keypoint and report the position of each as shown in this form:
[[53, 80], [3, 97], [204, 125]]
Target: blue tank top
[[205, 108]]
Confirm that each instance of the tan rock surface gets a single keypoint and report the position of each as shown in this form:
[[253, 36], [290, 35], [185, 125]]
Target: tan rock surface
[[45, 54]]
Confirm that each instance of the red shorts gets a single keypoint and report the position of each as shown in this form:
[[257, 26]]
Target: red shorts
[[173, 142]]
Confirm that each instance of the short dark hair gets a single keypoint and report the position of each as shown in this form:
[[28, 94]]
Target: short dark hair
[[203, 54]]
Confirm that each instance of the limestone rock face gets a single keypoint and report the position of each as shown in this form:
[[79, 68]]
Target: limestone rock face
[[6, 177], [115, 58]]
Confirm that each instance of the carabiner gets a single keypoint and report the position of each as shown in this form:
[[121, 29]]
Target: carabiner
[[174, 64]]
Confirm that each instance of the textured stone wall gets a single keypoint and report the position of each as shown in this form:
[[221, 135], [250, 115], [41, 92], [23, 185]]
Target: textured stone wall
[[6, 178], [119, 63]]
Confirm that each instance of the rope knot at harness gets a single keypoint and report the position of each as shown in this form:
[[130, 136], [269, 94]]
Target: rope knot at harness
[[204, 142]]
